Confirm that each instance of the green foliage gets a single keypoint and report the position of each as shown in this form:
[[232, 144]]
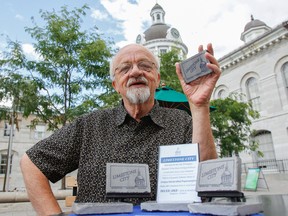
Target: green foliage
[[231, 123], [168, 69], [69, 75]]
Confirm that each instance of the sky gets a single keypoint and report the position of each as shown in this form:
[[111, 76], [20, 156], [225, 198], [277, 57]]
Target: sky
[[220, 22]]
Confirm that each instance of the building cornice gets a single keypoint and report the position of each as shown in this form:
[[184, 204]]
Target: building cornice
[[260, 44]]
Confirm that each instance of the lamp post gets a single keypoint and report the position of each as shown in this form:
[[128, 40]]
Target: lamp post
[[9, 153]]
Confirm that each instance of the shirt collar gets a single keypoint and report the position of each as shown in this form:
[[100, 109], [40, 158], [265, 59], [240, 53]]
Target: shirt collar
[[154, 114]]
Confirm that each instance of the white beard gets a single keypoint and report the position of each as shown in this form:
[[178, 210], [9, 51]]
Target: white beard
[[138, 95]]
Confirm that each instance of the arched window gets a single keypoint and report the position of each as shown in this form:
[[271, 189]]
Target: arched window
[[264, 139], [284, 70], [158, 16], [253, 93], [222, 94]]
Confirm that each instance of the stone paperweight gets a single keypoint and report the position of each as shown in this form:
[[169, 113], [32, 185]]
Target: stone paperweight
[[195, 67], [221, 178], [164, 207], [219, 175], [127, 180], [102, 208]]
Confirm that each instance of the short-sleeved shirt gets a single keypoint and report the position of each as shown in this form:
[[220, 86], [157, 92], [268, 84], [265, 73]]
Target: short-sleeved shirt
[[109, 136]]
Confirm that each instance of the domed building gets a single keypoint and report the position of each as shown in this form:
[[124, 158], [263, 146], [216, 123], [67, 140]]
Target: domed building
[[258, 70], [161, 37]]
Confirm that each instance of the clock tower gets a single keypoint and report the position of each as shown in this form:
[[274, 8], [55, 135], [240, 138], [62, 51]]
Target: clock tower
[[161, 37]]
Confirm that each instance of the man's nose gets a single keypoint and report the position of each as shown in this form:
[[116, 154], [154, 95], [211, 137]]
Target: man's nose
[[135, 71]]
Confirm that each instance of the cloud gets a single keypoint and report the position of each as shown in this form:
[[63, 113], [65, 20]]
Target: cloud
[[98, 15], [220, 22], [19, 17], [29, 51], [130, 17]]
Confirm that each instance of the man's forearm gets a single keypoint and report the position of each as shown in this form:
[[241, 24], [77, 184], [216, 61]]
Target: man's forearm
[[38, 189], [202, 133]]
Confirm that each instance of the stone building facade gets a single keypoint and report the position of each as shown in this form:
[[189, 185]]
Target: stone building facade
[[23, 138], [259, 70]]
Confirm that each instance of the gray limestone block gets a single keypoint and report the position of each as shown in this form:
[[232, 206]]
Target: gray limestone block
[[102, 208], [233, 208], [165, 207], [127, 178], [195, 67], [219, 175]]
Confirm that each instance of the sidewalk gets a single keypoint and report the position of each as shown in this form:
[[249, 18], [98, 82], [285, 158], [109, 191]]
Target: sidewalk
[[24, 208], [17, 203], [277, 184]]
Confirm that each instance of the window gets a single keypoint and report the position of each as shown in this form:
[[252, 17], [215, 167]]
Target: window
[[39, 132], [158, 16], [264, 138], [4, 163], [7, 129], [163, 51], [284, 70], [222, 94], [253, 93]]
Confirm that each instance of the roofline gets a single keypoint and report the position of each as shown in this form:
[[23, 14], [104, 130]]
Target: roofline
[[283, 24]]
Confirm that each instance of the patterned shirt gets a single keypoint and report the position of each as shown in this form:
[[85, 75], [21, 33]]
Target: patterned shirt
[[109, 136]]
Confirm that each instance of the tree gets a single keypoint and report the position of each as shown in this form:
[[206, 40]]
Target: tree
[[69, 75], [21, 93], [168, 69], [231, 123], [71, 71]]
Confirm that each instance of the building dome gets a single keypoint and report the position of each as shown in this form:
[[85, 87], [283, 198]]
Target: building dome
[[254, 23], [156, 31], [253, 29], [159, 29]]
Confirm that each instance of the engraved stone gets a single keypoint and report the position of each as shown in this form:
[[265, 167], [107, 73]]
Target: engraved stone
[[219, 175], [123, 178], [195, 67]]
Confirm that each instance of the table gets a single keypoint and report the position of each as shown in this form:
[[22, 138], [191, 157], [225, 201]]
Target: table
[[273, 205], [137, 212]]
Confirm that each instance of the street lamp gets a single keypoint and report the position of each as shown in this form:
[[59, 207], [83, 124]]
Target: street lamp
[[9, 153]]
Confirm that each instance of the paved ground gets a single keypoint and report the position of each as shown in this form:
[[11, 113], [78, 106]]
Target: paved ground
[[24, 209], [269, 185]]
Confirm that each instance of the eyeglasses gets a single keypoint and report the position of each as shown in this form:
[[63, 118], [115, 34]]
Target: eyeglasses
[[124, 68]]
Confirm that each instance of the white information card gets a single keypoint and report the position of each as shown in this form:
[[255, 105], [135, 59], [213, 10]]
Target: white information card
[[177, 173]]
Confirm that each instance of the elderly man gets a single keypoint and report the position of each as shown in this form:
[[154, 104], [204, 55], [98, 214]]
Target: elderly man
[[129, 133]]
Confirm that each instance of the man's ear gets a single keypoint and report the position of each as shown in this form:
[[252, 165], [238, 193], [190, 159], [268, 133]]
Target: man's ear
[[159, 79], [114, 86]]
